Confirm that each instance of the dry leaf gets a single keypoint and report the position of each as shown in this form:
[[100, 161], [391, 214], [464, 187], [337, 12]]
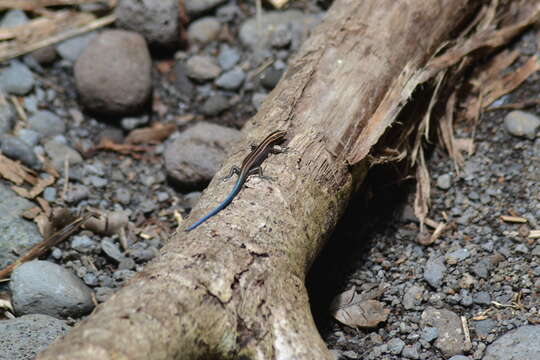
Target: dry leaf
[[154, 134], [355, 310], [15, 172], [38, 188]]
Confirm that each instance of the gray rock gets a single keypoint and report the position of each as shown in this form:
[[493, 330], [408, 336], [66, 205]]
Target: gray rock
[[83, 244], [395, 346], [17, 235], [536, 250], [228, 12], [521, 123], [47, 123], [41, 287], [413, 297], [130, 123], [232, 79], [17, 149], [204, 30], [429, 334], [456, 256], [7, 117], [182, 83], [157, 21], [281, 36], [215, 105], [484, 327], [49, 194], [270, 77], [45, 55], [112, 250], [411, 351], [113, 74], [123, 196], [521, 249], [460, 357], [13, 18], [228, 57], [519, 344], [450, 340], [434, 271], [444, 181], [29, 136], [24, 337], [72, 48], [202, 67], [16, 79], [197, 7], [481, 268], [76, 193], [193, 158], [295, 20], [482, 298], [58, 153]]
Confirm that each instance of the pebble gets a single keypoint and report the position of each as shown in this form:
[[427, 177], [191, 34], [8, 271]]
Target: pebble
[[202, 67], [83, 244], [456, 256], [444, 181], [72, 48], [13, 18], [157, 21], [484, 327], [521, 249], [429, 334], [522, 124], [228, 13], [113, 74], [481, 268], [185, 87], [460, 357], [232, 79], [76, 193], [193, 158], [97, 181], [411, 351], [16, 234], [29, 136], [228, 57], [16, 79], [123, 195], [519, 344], [204, 30], [41, 287], [536, 250], [270, 77], [281, 36], [49, 194], [215, 105], [434, 271], [25, 336], [46, 123], [450, 339], [17, 149], [58, 153], [482, 298], [44, 56], [144, 255], [413, 297], [197, 7], [7, 117], [130, 123], [111, 250], [395, 346]]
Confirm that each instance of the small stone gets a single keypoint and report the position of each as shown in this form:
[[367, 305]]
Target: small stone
[[484, 327], [144, 255], [202, 67], [482, 298], [46, 288], [112, 250], [90, 279], [45, 55], [7, 117], [47, 123], [444, 182], [411, 351], [29, 136], [215, 105], [17, 149], [413, 297], [123, 196], [466, 300], [16, 79], [98, 181], [281, 36], [459, 357], [182, 83], [72, 48], [49, 194], [271, 77], [518, 344], [522, 249], [481, 268], [204, 30], [450, 340], [536, 250], [83, 244], [59, 153], [123, 275], [13, 18], [228, 57], [429, 334], [76, 193], [457, 255], [231, 80], [434, 271], [521, 123], [467, 281], [395, 346]]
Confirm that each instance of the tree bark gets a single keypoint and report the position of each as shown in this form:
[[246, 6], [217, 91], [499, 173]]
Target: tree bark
[[234, 287]]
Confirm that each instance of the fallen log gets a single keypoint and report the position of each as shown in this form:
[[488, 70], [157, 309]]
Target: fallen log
[[234, 287]]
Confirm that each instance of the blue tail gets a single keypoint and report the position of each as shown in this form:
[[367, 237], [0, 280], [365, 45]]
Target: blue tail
[[220, 207]]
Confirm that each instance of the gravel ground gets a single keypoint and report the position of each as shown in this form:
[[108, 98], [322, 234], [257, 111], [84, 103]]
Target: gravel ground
[[481, 273]]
